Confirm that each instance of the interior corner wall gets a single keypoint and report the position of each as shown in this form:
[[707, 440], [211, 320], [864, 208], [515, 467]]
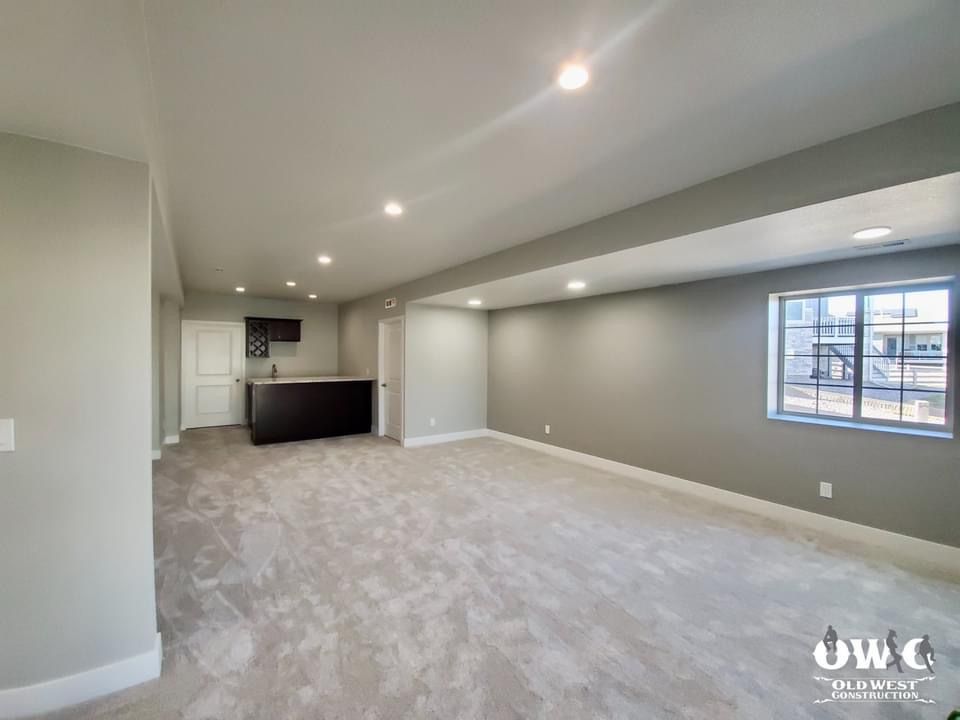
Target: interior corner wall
[[156, 363], [674, 379], [170, 364], [445, 370], [76, 519], [315, 354]]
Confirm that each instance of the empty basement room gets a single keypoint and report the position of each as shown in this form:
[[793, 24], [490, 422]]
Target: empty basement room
[[472, 361]]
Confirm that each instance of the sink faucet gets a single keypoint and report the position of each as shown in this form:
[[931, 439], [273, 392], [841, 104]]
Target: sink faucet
[[273, 372]]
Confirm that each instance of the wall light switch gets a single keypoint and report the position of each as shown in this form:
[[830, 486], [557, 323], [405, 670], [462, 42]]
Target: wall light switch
[[826, 490], [433, 422], [546, 429], [6, 435]]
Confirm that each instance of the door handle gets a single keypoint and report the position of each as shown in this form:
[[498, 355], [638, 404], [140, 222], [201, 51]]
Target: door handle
[[237, 380], [383, 384]]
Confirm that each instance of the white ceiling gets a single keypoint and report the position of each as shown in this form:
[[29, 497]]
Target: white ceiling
[[925, 213], [284, 127]]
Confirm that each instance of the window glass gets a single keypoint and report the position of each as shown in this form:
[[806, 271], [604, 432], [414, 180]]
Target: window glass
[[872, 355]]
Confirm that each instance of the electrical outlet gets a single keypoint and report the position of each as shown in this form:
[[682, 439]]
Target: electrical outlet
[[546, 429], [433, 422], [826, 490]]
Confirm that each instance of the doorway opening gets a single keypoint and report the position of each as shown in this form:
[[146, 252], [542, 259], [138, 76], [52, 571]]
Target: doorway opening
[[390, 389]]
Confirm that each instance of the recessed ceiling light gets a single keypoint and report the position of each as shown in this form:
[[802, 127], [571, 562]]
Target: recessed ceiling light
[[572, 76], [324, 259], [474, 301], [872, 233], [393, 209], [240, 289], [291, 283], [312, 296], [576, 285]]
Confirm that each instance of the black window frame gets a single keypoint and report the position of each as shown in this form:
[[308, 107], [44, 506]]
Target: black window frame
[[860, 294]]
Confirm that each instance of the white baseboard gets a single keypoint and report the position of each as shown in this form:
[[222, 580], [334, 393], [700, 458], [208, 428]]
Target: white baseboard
[[444, 438], [55, 694], [171, 440], [943, 559], [155, 454]]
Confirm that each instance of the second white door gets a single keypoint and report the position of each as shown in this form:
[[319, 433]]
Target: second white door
[[391, 379], [212, 374]]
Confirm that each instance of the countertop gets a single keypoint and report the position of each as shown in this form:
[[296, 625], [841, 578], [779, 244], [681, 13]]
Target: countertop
[[326, 378]]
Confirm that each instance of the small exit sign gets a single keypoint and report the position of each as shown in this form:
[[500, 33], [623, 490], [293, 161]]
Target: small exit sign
[[389, 303]]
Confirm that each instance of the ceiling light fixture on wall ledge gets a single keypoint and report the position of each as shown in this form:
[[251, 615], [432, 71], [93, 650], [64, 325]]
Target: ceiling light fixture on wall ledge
[[572, 76], [576, 285], [872, 233], [474, 301], [291, 283], [240, 289], [324, 260], [393, 209], [312, 296]]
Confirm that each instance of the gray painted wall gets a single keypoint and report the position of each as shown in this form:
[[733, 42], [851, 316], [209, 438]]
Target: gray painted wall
[[445, 363], [315, 354], [165, 317], [156, 363], [76, 540], [170, 364], [673, 379]]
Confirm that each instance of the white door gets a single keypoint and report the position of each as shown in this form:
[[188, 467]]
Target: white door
[[391, 379], [211, 371]]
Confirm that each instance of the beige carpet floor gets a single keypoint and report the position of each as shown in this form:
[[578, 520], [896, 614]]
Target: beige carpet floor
[[350, 578]]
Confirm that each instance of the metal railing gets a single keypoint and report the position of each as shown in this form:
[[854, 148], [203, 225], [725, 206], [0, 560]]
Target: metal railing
[[840, 327]]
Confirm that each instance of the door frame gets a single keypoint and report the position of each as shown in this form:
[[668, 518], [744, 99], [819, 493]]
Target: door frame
[[243, 365], [381, 395]]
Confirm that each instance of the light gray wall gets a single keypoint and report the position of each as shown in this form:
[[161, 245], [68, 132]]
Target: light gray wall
[[76, 539], [156, 362], [170, 363], [673, 379], [315, 354], [445, 364], [167, 296], [164, 267], [917, 147]]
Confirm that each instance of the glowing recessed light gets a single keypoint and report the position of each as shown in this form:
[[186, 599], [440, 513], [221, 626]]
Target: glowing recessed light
[[240, 289], [324, 259], [393, 209], [474, 301], [312, 296], [576, 285], [573, 76], [291, 283], [872, 233]]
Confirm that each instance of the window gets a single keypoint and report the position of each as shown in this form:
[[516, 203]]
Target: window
[[876, 356], [794, 312]]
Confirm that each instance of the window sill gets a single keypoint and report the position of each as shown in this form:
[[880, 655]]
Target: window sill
[[942, 434]]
